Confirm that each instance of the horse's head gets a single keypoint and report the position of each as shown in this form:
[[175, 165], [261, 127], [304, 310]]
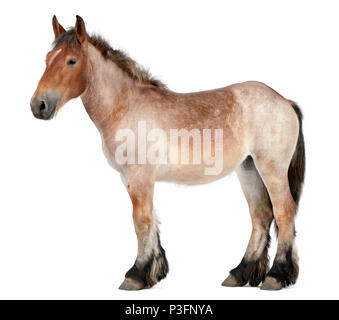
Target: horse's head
[[65, 76]]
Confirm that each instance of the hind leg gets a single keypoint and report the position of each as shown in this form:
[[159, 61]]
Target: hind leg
[[285, 266], [254, 265]]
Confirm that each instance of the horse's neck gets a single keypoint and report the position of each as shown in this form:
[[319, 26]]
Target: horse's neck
[[106, 83]]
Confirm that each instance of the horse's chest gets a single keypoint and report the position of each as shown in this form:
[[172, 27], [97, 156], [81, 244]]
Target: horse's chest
[[108, 149]]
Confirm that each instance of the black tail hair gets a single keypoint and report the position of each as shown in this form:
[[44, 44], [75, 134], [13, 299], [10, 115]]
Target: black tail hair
[[296, 171]]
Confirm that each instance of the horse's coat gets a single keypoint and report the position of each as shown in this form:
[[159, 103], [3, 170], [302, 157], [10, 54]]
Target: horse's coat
[[261, 139]]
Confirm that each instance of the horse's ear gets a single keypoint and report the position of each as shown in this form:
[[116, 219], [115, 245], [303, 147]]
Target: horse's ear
[[80, 30], [57, 27]]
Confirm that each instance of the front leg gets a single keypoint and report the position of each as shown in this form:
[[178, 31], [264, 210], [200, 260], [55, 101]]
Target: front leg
[[151, 264]]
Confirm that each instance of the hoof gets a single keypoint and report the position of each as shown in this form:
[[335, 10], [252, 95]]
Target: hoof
[[271, 284], [131, 284], [231, 281]]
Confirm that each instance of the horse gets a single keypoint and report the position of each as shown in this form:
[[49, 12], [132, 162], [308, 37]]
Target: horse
[[261, 140]]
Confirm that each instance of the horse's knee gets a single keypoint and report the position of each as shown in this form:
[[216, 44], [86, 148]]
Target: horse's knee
[[142, 216], [142, 224]]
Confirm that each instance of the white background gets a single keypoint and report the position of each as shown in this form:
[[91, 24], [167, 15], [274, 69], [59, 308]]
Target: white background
[[66, 227]]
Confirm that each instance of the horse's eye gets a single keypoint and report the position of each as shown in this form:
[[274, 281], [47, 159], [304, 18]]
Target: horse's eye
[[71, 62]]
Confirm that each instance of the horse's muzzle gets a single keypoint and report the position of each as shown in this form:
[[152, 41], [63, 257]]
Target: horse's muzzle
[[44, 108]]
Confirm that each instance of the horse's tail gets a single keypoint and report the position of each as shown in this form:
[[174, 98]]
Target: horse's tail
[[296, 170]]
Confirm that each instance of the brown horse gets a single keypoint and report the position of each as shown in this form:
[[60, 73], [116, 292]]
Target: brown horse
[[257, 132]]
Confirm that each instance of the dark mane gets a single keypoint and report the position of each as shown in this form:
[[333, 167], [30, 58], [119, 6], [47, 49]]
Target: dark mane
[[120, 58]]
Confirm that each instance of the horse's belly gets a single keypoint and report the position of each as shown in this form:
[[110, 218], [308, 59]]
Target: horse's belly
[[193, 174], [186, 174]]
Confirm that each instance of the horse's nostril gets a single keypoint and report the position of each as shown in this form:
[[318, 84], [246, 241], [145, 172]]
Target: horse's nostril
[[43, 106]]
